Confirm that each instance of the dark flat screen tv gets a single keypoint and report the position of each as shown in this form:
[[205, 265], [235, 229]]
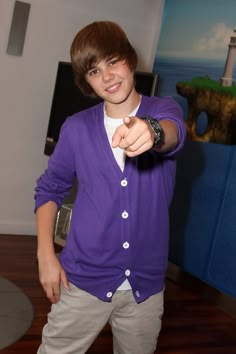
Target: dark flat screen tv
[[68, 99]]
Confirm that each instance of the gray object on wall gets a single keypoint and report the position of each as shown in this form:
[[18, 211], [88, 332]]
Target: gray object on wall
[[18, 28]]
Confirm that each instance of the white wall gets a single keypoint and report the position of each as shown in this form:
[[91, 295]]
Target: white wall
[[27, 84]]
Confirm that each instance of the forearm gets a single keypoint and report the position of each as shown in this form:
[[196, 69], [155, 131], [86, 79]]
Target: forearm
[[136, 136], [170, 135], [51, 273], [45, 218]]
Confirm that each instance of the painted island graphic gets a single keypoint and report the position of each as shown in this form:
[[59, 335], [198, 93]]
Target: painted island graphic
[[195, 59]]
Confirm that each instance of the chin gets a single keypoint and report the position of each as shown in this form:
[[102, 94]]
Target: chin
[[120, 98], [117, 101]]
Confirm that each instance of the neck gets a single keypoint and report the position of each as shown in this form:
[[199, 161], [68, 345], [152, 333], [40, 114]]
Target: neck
[[122, 109]]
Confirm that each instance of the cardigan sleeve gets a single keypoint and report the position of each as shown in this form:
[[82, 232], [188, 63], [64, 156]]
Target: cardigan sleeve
[[171, 110], [56, 181]]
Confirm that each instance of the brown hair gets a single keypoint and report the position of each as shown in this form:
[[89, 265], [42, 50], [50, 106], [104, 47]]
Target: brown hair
[[98, 41]]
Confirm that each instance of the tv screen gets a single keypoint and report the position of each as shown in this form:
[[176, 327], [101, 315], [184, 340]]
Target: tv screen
[[68, 99]]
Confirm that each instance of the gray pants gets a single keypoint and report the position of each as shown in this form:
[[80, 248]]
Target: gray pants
[[77, 319]]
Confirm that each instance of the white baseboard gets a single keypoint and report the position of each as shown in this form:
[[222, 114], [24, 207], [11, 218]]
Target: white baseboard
[[17, 228]]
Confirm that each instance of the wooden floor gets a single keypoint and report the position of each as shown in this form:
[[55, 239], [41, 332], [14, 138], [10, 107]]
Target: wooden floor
[[191, 324]]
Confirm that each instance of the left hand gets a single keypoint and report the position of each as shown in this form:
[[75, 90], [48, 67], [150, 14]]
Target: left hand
[[135, 136]]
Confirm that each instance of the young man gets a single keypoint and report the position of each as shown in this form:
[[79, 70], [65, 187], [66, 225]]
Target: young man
[[122, 151]]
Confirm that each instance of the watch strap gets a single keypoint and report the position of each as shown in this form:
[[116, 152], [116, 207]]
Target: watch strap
[[158, 131]]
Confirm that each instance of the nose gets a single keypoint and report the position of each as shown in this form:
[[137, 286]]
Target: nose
[[107, 74]]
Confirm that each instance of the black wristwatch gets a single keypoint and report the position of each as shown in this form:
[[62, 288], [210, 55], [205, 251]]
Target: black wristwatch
[[158, 131]]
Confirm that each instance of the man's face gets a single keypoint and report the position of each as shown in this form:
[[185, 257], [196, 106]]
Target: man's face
[[112, 80]]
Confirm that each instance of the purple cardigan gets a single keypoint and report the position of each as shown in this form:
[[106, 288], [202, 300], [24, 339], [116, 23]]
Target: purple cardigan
[[120, 220]]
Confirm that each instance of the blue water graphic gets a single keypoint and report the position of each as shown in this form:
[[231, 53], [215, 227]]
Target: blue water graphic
[[172, 70]]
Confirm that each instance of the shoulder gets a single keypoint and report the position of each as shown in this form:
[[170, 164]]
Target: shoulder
[[85, 116], [81, 122]]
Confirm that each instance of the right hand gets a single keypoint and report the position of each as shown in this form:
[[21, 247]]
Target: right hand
[[135, 136], [51, 275]]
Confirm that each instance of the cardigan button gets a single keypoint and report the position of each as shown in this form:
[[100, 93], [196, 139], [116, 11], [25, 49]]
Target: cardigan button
[[126, 245], [124, 182], [125, 215], [127, 272]]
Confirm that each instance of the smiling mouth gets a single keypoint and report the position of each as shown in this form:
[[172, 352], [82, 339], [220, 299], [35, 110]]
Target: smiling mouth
[[113, 88]]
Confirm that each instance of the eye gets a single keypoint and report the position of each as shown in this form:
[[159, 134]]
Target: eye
[[93, 72], [113, 61]]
